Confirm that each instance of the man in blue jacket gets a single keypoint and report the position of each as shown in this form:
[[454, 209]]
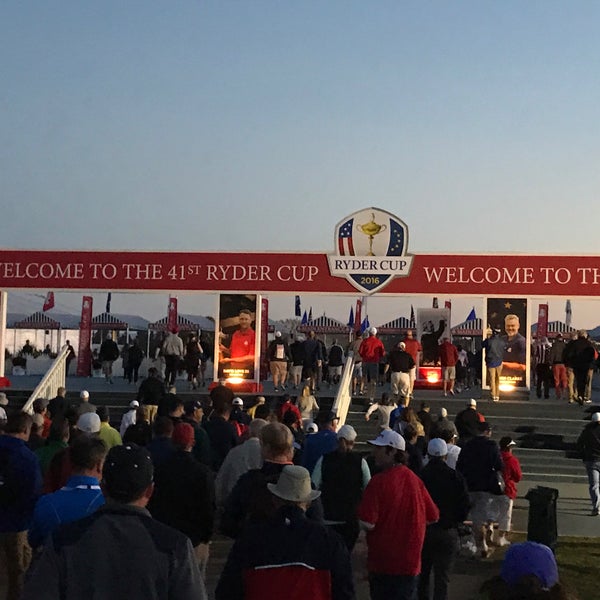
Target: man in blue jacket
[[20, 485]]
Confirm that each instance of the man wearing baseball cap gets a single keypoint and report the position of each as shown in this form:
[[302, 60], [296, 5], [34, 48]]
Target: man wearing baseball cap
[[395, 510], [588, 445], [342, 475], [288, 556], [448, 490], [120, 551]]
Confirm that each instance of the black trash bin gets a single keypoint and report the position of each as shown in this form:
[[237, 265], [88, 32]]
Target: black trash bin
[[541, 524]]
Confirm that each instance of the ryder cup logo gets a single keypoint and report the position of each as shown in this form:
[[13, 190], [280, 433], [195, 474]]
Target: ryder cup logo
[[371, 249]]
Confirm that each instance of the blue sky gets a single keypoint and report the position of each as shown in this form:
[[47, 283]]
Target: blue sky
[[258, 124]]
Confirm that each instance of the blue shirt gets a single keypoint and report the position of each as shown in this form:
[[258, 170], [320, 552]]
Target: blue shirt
[[81, 496], [316, 445], [25, 479]]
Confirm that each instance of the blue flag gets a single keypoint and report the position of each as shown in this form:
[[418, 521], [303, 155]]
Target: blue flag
[[472, 315], [298, 310], [304, 319], [365, 324], [351, 319]]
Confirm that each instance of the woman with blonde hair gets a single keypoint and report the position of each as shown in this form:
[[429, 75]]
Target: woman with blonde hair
[[307, 403]]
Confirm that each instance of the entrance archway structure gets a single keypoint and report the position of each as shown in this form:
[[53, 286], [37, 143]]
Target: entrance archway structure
[[369, 256]]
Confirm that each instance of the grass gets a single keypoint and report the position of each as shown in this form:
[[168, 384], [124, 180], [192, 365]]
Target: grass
[[578, 560]]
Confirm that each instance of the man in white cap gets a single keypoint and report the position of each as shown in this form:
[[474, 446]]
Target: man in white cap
[[85, 405], [288, 556], [129, 417], [467, 422], [342, 475], [279, 355], [401, 364], [371, 351], [588, 445], [395, 510], [448, 490]]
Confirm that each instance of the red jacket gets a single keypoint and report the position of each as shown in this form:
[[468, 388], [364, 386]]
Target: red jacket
[[448, 354], [371, 350], [512, 473]]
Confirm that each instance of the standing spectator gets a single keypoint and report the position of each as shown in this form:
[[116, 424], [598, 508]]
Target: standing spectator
[[193, 415], [512, 475], [184, 494], [568, 356], [109, 435], [85, 406], [424, 416], [395, 506], [193, 353], [382, 411], [335, 363], [58, 439], [278, 354], [307, 405], [448, 358], [172, 349], [129, 417], [238, 461], [358, 380], [297, 358], [342, 475], [144, 558], [325, 440], [81, 496], [448, 490], [40, 407], [462, 365], [543, 367], [109, 352], [136, 356], [413, 347], [494, 347], [221, 432], [151, 392], [372, 352], [288, 556], [161, 447], [313, 359], [442, 423], [401, 364], [70, 356], [57, 407], [21, 485], [582, 358], [480, 461], [588, 445], [467, 422], [140, 433], [559, 370]]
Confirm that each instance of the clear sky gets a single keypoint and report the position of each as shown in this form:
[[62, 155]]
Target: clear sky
[[259, 124]]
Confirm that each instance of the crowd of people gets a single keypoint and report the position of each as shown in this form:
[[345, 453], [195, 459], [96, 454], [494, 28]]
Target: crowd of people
[[282, 478]]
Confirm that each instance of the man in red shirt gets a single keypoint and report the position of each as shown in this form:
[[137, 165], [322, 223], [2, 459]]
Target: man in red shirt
[[371, 351], [240, 354], [413, 347], [395, 510], [448, 360]]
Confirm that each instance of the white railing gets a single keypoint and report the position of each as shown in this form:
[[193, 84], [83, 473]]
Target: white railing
[[343, 398], [54, 378]]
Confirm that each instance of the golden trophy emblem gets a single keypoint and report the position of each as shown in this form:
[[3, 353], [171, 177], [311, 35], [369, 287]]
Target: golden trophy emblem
[[371, 229]]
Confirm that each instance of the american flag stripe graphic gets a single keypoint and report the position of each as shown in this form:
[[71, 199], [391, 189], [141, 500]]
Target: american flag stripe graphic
[[345, 244]]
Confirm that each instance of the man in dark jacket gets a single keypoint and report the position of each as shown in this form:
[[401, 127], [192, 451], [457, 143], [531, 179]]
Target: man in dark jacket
[[184, 494], [288, 556], [151, 392], [588, 445], [479, 462], [221, 432], [57, 407], [279, 355], [401, 363], [467, 422], [448, 490], [109, 352], [133, 556], [582, 359]]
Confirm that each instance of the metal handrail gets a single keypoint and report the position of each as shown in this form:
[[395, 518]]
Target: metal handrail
[[343, 398], [54, 378]]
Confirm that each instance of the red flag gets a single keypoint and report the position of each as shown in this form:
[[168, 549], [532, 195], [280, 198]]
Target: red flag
[[357, 316], [49, 301], [448, 304], [84, 356], [542, 323], [172, 314]]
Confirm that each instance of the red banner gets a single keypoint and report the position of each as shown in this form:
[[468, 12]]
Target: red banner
[[358, 317], [264, 340], [442, 274], [542, 322], [48, 301], [84, 356], [172, 314]]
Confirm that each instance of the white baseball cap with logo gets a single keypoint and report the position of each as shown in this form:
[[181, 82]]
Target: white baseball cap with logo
[[388, 437]]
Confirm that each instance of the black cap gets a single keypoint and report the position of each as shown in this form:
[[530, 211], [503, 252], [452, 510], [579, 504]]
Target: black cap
[[127, 472], [191, 405]]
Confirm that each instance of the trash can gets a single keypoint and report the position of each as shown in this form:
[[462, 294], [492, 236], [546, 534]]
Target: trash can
[[541, 523]]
